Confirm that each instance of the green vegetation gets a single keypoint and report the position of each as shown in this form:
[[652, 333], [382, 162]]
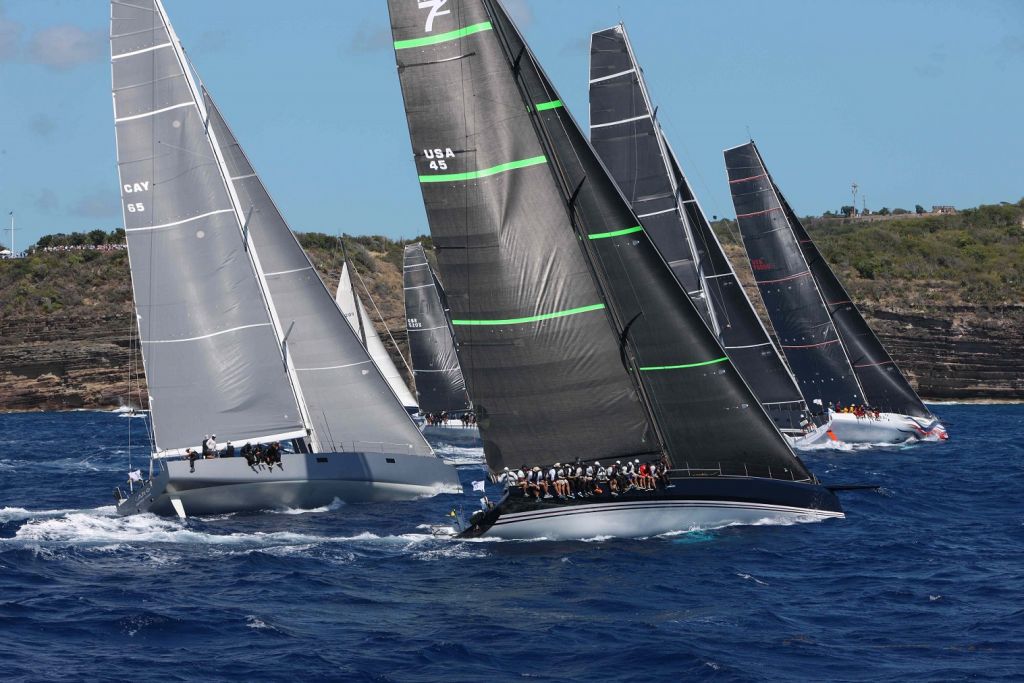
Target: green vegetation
[[980, 251], [976, 256], [80, 239]]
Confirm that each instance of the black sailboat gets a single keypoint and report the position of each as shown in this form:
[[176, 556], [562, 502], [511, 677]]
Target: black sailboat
[[576, 340], [440, 385], [627, 135], [834, 354]]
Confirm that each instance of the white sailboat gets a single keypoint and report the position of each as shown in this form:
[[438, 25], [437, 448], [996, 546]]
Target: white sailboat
[[239, 336], [359, 321]]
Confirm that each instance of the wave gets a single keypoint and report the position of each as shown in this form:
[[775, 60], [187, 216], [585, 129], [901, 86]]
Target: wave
[[16, 514]]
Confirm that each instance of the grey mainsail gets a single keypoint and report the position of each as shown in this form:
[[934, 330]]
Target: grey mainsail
[[806, 331], [440, 385], [632, 144], [212, 359], [574, 334], [350, 404], [355, 313]]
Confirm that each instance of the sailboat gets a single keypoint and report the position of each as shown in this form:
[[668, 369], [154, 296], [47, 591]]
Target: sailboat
[[440, 385], [627, 135], [239, 336], [576, 340], [833, 352], [355, 314]]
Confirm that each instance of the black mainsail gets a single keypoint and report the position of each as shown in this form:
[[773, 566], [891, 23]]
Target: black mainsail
[[574, 334], [440, 385], [625, 132], [883, 385], [798, 313]]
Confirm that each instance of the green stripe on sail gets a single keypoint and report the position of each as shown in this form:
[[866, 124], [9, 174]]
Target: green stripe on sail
[[532, 318], [652, 368], [471, 175], [614, 233], [443, 37], [553, 104]]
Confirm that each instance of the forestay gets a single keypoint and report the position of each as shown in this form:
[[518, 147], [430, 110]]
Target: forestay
[[440, 385], [801, 320], [349, 402], [355, 313], [634, 148], [554, 268], [212, 360]]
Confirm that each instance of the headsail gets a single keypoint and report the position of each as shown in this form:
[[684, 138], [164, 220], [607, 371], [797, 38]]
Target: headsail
[[440, 385], [574, 324], [212, 359], [795, 306], [884, 385], [350, 404], [633, 147], [355, 313]]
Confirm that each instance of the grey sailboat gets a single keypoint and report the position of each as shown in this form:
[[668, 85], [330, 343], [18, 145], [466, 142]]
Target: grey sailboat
[[239, 335]]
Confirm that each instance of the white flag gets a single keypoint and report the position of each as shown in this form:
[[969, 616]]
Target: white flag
[[478, 485], [135, 476]]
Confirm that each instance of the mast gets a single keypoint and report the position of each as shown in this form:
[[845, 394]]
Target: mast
[[280, 333]]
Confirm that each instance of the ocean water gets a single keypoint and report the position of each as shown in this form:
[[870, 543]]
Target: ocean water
[[924, 580]]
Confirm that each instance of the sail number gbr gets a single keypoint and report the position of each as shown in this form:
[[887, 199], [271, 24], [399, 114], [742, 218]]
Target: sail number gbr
[[437, 157]]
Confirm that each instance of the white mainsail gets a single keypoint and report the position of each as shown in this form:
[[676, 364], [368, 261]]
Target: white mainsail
[[351, 306]]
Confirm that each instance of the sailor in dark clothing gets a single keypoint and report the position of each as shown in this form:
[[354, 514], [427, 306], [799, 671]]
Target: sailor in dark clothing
[[191, 456], [259, 454], [274, 455], [229, 450], [250, 457], [206, 448]]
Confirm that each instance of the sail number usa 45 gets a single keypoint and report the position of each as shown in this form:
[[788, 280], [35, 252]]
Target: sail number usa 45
[[437, 157]]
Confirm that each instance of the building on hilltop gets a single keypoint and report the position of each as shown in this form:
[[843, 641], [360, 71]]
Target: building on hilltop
[[944, 209]]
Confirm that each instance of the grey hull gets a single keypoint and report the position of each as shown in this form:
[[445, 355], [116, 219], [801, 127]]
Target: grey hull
[[301, 481]]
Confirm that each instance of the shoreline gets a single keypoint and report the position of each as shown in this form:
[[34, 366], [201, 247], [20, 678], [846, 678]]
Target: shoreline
[[123, 409]]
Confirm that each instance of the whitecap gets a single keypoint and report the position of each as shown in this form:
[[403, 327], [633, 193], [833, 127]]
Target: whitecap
[[748, 577]]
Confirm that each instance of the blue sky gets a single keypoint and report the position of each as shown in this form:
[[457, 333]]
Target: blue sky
[[919, 101]]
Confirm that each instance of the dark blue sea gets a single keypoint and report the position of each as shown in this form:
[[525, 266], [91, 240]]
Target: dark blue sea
[[922, 581]]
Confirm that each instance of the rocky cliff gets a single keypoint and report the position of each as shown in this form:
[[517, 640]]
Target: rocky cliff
[[952, 321]]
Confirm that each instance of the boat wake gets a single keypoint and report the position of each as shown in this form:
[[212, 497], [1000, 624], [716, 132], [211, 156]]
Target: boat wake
[[49, 532], [460, 455]]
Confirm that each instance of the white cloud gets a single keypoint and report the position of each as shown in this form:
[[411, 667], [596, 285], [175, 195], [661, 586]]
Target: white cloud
[[66, 46], [10, 38]]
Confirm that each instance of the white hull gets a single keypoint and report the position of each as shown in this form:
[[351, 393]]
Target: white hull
[[888, 428], [640, 519]]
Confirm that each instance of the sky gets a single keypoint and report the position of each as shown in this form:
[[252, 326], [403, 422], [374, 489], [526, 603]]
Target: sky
[[918, 101]]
